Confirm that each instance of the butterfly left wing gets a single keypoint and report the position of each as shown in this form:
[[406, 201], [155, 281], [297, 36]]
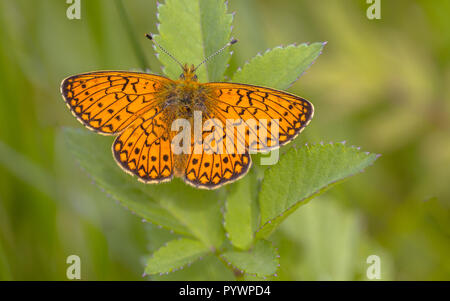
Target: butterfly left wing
[[109, 101], [258, 108], [143, 149]]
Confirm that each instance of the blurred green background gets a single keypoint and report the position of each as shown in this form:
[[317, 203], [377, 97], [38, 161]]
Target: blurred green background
[[383, 85]]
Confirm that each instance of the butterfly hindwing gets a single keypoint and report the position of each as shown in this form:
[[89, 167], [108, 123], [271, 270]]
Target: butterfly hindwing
[[215, 165], [144, 149], [214, 170], [109, 101]]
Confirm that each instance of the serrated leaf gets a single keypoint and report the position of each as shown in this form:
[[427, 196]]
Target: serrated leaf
[[261, 260], [175, 205], [279, 67], [93, 153], [191, 30], [209, 268], [241, 212], [174, 255], [302, 174]]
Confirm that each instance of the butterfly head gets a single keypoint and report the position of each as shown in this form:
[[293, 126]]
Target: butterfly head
[[188, 73]]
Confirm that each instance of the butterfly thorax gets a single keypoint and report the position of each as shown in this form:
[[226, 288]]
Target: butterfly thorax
[[186, 95]]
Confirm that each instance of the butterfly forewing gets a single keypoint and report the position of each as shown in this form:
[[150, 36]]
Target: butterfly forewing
[[259, 108], [109, 101]]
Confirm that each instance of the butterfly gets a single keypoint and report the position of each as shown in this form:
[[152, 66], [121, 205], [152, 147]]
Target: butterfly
[[141, 108]]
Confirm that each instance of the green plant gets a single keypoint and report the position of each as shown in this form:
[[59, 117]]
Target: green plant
[[231, 225]]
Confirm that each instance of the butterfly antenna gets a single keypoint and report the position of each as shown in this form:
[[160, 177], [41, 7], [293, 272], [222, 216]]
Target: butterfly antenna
[[150, 37], [233, 41]]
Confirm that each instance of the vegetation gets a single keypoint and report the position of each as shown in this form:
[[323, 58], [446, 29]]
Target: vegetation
[[379, 84]]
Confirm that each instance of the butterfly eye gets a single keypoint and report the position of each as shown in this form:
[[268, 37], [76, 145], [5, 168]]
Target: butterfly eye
[[182, 76], [195, 77]]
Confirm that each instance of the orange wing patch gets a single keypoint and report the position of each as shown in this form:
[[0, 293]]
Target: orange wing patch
[[215, 165], [108, 102], [262, 106], [144, 149]]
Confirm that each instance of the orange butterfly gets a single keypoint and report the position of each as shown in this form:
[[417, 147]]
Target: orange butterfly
[[140, 109]]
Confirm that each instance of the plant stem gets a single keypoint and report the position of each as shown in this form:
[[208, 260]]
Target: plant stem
[[237, 273], [129, 28]]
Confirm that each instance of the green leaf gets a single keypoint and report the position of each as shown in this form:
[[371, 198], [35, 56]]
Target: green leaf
[[279, 67], [261, 260], [302, 174], [191, 30], [175, 255], [94, 155], [209, 268], [175, 205], [241, 212], [197, 209]]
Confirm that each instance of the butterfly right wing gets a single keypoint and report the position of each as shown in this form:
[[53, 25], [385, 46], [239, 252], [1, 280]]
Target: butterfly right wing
[[109, 101]]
